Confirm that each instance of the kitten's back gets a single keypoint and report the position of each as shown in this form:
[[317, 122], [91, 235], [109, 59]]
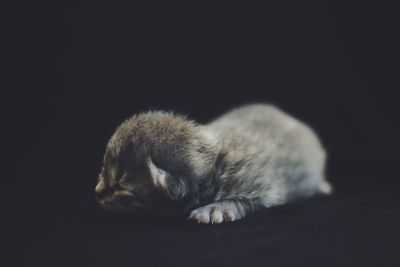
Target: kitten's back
[[273, 148]]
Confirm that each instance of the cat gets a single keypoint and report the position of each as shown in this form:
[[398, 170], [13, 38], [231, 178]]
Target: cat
[[255, 156]]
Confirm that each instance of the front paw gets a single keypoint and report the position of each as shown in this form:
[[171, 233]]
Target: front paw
[[212, 214]]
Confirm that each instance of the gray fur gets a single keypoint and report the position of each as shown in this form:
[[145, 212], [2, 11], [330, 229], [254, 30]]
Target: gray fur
[[252, 157]]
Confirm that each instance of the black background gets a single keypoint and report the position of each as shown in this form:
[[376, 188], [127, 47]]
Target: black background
[[77, 70]]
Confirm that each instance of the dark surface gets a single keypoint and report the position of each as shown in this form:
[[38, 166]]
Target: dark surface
[[78, 70], [357, 226]]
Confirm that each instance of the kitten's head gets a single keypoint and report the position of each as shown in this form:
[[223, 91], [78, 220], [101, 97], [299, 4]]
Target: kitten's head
[[155, 162]]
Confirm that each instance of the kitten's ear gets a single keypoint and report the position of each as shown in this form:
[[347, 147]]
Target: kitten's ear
[[173, 186]]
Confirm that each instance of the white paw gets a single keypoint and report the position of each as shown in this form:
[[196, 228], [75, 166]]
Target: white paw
[[211, 215]]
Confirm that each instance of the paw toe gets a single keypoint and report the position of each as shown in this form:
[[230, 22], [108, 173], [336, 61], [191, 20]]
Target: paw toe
[[216, 216], [229, 216], [200, 216]]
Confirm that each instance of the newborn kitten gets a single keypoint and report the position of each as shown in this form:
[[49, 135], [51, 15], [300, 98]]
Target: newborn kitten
[[252, 157]]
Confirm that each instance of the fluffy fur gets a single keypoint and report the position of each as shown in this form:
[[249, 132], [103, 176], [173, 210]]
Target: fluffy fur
[[252, 157]]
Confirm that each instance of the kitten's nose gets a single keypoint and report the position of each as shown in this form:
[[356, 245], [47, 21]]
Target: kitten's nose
[[99, 194], [99, 190]]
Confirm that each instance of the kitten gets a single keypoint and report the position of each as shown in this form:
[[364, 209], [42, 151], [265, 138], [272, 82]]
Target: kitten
[[252, 157]]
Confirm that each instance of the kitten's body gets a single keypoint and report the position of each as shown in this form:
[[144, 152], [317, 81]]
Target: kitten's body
[[268, 159], [252, 157]]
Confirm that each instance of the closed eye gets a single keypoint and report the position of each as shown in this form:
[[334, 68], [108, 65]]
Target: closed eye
[[123, 178], [117, 187], [138, 198]]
